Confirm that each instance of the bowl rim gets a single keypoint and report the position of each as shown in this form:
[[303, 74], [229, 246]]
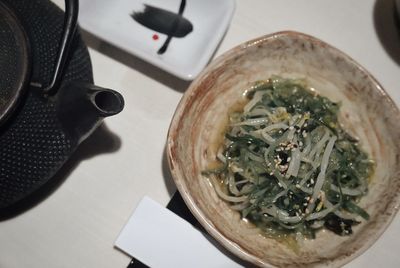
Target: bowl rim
[[183, 188]]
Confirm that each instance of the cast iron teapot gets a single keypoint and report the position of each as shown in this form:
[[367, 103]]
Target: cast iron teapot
[[48, 104]]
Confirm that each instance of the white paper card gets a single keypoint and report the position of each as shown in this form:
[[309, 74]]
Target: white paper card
[[160, 239]]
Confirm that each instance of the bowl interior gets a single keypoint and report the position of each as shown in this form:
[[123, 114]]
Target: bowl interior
[[367, 113]]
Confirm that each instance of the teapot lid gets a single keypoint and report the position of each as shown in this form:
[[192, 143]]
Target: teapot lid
[[14, 61]]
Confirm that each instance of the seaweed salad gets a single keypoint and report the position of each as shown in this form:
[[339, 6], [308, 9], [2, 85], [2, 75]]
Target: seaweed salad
[[288, 166]]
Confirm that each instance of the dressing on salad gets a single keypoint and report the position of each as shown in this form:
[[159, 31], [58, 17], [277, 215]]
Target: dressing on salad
[[288, 166]]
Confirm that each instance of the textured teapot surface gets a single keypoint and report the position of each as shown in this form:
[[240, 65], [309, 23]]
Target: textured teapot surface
[[45, 130]]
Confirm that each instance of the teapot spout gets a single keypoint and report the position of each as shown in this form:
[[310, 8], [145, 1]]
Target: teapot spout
[[107, 102], [82, 107]]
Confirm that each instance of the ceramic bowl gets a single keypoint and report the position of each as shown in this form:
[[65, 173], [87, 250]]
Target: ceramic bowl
[[367, 112]]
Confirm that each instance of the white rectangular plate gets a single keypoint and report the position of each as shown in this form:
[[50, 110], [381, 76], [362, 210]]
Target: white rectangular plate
[[186, 56]]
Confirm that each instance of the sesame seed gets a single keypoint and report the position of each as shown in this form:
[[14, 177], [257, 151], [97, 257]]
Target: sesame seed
[[298, 186], [291, 128], [286, 201]]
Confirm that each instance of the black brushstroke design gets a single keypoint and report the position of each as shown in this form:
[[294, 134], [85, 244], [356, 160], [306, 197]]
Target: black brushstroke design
[[173, 29], [165, 22]]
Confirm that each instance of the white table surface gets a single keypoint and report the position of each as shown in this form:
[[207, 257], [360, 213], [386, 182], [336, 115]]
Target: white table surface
[[77, 224]]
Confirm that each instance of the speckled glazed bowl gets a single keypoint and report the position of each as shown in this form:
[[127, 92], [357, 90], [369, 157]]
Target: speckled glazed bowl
[[367, 112]]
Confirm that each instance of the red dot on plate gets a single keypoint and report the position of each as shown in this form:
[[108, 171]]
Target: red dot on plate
[[155, 37]]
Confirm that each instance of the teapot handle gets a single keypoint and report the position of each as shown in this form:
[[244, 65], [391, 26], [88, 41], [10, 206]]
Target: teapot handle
[[70, 25]]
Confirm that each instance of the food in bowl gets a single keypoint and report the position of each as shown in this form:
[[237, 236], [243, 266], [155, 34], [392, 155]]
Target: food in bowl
[[287, 165], [366, 112]]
